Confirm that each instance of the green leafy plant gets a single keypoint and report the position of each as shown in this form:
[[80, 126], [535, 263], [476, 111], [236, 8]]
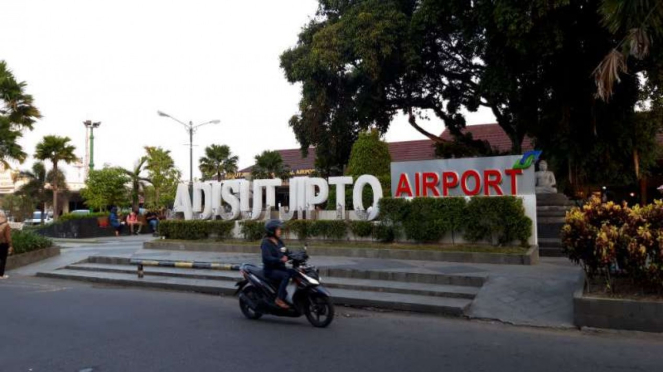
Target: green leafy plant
[[362, 229], [253, 230], [299, 227], [77, 216], [333, 229], [27, 241], [196, 230], [384, 232], [496, 219]]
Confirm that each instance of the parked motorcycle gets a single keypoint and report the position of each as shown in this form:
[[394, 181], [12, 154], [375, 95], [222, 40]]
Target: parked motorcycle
[[306, 295]]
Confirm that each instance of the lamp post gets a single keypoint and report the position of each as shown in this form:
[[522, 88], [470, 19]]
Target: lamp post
[[91, 125], [191, 129]]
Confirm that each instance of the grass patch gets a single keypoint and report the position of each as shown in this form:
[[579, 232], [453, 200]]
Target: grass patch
[[459, 248]]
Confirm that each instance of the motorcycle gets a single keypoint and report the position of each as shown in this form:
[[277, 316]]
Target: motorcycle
[[306, 295]]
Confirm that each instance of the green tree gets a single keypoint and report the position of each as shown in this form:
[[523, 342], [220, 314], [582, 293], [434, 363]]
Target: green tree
[[217, 162], [137, 181], [55, 149], [270, 164], [529, 62], [36, 185], [370, 155], [17, 113], [163, 176], [20, 207], [106, 187]]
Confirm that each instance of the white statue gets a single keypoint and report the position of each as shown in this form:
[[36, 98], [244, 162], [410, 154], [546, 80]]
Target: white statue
[[545, 180]]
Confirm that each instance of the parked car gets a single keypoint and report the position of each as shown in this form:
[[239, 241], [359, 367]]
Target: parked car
[[36, 218], [81, 211]]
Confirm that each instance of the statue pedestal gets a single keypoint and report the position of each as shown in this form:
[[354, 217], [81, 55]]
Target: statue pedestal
[[550, 216]]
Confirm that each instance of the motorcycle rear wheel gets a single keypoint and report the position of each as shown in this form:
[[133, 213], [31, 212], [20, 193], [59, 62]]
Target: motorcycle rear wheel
[[246, 309], [320, 311]]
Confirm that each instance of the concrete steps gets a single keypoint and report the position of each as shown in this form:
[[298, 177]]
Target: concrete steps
[[419, 292]]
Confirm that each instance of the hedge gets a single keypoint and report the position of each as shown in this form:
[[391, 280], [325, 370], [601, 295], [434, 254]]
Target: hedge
[[195, 230], [495, 219], [500, 219], [28, 241], [78, 216]]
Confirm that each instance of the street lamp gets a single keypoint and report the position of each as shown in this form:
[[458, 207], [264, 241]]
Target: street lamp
[[191, 129], [91, 125]]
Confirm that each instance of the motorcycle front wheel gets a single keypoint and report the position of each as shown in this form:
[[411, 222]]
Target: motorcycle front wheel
[[320, 311], [246, 309]]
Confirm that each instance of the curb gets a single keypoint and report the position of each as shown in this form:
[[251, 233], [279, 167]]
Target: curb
[[186, 264]]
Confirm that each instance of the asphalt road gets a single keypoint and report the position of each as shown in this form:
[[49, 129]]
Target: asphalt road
[[50, 325]]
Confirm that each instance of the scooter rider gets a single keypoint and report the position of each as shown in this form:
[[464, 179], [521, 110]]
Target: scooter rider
[[274, 260]]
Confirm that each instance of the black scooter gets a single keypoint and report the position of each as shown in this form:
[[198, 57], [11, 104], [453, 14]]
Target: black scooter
[[257, 293]]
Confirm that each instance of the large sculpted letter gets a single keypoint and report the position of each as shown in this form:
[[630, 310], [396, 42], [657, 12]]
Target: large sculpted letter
[[340, 183], [312, 199], [228, 194], [358, 191], [183, 202], [292, 207], [269, 185], [200, 189]]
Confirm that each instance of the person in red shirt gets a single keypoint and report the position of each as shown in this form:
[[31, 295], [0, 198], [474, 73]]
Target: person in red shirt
[[134, 223]]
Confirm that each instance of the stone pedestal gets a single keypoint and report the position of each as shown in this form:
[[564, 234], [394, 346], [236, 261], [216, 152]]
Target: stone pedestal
[[550, 214]]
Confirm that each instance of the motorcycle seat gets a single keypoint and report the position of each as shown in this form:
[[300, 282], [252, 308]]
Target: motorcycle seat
[[255, 270]]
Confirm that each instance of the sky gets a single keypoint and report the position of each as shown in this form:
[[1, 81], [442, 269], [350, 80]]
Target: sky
[[119, 62]]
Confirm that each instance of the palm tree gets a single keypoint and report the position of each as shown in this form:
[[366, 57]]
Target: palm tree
[[35, 184], [218, 161], [137, 182], [270, 164], [17, 113], [56, 149]]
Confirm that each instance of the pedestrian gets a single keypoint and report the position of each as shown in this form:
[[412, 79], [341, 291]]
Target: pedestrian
[[152, 220], [6, 247], [115, 221], [132, 221]]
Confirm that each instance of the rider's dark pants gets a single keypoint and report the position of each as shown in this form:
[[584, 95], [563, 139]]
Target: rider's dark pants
[[284, 277]]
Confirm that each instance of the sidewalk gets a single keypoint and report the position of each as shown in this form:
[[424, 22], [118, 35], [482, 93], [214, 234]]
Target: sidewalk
[[538, 295]]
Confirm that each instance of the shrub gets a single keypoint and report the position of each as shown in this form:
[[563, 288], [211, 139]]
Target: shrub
[[299, 227], [195, 230], [253, 230], [384, 232], [76, 216], [497, 218], [611, 240], [362, 229], [27, 241], [329, 229]]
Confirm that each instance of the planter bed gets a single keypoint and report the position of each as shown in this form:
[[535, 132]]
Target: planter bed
[[623, 311], [467, 254], [24, 259]]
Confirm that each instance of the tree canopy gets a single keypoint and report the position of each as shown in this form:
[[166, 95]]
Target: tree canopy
[[106, 187], [56, 149], [163, 176], [362, 62], [217, 162], [269, 164], [17, 113]]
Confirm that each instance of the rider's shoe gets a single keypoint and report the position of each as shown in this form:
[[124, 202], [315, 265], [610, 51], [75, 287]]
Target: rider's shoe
[[280, 303]]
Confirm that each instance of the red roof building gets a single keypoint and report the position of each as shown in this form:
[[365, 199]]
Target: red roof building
[[408, 150]]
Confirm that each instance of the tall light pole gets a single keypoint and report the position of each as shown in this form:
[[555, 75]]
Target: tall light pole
[[191, 129], [91, 125]]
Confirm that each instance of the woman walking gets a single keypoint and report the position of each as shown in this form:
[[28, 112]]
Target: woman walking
[[5, 244]]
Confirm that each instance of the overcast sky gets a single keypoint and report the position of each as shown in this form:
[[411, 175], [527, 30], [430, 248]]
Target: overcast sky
[[120, 61]]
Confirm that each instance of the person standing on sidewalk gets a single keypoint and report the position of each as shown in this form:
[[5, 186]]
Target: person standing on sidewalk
[[5, 243], [115, 221]]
